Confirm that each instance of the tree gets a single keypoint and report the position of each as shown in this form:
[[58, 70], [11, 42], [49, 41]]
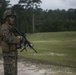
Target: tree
[[33, 4], [3, 5]]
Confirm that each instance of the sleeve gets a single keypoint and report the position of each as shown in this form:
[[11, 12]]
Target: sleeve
[[9, 37]]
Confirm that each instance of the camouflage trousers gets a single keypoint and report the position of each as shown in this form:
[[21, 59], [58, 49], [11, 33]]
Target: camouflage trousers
[[10, 63]]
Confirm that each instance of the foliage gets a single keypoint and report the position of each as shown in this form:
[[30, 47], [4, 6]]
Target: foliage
[[47, 21], [30, 3], [29, 13], [3, 6]]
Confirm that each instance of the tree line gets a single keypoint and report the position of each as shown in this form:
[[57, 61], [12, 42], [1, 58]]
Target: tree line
[[32, 18]]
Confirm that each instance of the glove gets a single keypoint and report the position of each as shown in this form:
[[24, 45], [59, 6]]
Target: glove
[[20, 37]]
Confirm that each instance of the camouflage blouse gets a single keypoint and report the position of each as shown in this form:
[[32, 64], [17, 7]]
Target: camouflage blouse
[[8, 35]]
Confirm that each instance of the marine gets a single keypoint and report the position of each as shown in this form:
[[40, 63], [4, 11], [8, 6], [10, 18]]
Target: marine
[[9, 43]]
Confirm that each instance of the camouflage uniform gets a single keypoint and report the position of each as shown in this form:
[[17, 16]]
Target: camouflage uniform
[[9, 49]]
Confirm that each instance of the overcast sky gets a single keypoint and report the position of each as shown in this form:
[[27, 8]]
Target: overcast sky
[[54, 4]]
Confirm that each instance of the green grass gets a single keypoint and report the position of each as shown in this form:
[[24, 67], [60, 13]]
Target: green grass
[[59, 47]]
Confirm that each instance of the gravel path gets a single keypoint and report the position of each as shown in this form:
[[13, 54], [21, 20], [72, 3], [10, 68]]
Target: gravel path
[[27, 68]]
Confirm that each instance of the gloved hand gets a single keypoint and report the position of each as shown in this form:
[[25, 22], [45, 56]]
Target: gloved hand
[[20, 37]]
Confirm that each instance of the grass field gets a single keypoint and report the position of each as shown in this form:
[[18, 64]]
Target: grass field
[[58, 47]]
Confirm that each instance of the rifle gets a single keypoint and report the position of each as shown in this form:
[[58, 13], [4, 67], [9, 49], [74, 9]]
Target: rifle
[[25, 41]]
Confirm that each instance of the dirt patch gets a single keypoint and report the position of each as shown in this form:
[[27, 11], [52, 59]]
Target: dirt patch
[[28, 68], [39, 61]]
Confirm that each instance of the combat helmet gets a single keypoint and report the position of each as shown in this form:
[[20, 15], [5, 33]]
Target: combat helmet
[[8, 13]]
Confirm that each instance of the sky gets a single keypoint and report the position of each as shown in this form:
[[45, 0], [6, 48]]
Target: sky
[[54, 4]]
